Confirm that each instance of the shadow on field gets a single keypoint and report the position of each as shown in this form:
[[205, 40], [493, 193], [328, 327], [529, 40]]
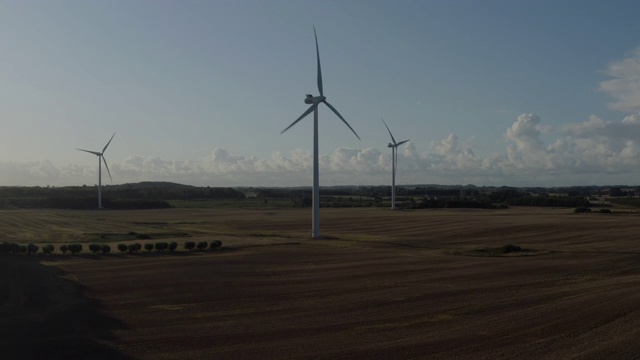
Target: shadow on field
[[597, 252], [141, 254], [44, 315]]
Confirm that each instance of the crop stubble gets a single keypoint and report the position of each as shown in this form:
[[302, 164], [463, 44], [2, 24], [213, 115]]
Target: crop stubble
[[384, 284]]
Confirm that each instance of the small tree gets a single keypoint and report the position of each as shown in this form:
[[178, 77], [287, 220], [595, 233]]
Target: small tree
[[202, 245], [132, 248], [75, 248], [32, 249], [23, 249], [105, 249], [122, 247], [173, 246], [64, 248], [7, 247], [511, 248], [161, 246], [148, 246], [94, 248], [47, 249], [215, 244]]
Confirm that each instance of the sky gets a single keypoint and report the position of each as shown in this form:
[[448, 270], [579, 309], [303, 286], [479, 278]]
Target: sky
[[492, 92]]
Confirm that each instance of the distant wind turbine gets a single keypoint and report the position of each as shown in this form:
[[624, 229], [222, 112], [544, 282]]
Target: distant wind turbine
[[101, 158], [394, 163], [315, 101]]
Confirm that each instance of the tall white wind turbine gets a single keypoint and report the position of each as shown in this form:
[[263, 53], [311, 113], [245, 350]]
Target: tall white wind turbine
[[101, 159], [315, 101], [394, 162]]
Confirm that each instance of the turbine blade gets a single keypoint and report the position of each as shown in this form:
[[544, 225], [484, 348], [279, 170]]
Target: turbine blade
[[309, 110], [319, 69], [107, 166], [402, 142], [392, 139], [90, 152], [341, 118], [105, 147]]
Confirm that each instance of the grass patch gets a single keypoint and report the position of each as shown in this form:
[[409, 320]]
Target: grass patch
[[266, 235], [154, 224], [232, 203], [506, 250]]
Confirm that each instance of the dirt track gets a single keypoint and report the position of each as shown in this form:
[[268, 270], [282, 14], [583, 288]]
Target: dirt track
[[386, 288]]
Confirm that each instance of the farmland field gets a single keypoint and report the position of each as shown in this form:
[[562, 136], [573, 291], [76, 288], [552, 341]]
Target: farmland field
[[428, 284]]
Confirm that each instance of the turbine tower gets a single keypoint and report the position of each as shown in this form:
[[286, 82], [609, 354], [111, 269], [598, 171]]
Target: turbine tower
[[101, 158], [315, 101], [394, 162]]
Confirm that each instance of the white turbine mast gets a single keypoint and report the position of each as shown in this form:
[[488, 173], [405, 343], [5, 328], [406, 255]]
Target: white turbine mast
[[315, 101], [394, 162], [101, 159]]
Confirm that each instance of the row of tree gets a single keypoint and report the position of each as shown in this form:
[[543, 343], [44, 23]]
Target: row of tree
[[30, 249], [430, 197]]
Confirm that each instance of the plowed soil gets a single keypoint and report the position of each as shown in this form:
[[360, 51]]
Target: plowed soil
[[429, 284]]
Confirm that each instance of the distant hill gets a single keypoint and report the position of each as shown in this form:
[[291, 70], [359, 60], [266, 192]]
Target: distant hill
[[153, 184], [147, 194]]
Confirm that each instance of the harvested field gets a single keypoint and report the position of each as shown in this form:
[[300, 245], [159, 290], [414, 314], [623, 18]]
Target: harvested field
[[404, 284]]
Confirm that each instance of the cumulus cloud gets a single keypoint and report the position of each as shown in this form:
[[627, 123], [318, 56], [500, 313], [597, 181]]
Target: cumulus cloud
[[595, 151], [597, 127], [525, 133], [595, 147], [624, 88], [449, 156]]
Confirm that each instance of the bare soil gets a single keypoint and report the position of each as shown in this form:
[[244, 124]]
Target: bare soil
[[383, 284]]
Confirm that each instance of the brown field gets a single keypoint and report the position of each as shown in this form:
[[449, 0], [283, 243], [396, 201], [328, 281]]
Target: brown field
[[405, 284]]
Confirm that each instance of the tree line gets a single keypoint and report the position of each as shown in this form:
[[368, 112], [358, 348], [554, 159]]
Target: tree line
[[77, 248], [146, 195]]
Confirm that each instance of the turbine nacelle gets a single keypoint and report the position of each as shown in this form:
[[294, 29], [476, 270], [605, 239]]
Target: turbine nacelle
[[390, 145], [310, 99]]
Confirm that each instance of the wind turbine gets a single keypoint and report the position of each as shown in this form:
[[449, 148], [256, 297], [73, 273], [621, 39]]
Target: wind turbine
[[100, 156], [394, 163], [315, 102]]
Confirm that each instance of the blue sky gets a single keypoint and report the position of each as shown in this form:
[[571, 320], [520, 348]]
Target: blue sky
[[523, 93]]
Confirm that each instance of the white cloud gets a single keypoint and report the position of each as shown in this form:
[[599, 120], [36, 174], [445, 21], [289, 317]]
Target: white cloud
[[595, 151], [624, 88], [596, 127], [595, 146], [525, 132]]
